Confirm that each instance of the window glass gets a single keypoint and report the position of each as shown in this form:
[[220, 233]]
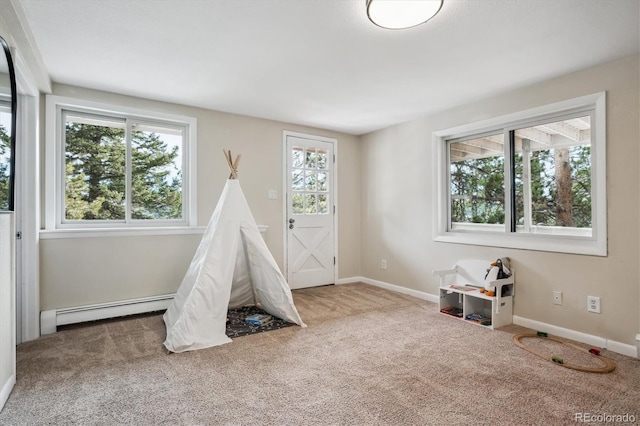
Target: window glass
[[95, 150], [322, 204], [5, 153], [322, 181], [156, 181], [297, 183], [297, 203], [322, 159], [97, 185], [297, 155], [553, 176], [476, 180], [310, 204], [309, 181]]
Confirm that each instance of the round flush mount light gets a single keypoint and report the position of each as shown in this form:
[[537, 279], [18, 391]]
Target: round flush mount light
[[401, 14]]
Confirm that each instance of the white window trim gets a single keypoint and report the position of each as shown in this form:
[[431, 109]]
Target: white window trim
[[53, 178], [595, 245]]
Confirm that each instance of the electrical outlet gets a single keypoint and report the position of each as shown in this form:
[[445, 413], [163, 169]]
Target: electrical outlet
[[383, 264], [593, 304], [557, 298]]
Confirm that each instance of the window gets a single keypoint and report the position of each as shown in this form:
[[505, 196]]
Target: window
[[309, 184], [552, 177], [532, 180], [5, 150], [119, 169], [476, 180]]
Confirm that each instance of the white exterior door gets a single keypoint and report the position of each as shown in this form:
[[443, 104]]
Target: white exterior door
[[310, 211]]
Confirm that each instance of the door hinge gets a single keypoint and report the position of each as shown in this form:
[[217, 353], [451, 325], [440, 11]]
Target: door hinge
[[334, 209], [334, 260], [334, 158]]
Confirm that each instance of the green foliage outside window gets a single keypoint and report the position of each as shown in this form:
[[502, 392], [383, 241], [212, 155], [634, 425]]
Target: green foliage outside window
[[546, 199], [95, 187], [5, 147], [477, 190]]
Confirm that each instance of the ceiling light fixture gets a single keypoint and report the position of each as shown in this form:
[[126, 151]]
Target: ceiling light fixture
[[401, 14]]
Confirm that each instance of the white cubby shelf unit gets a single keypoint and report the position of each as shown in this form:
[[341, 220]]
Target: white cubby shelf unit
[[460, 296]]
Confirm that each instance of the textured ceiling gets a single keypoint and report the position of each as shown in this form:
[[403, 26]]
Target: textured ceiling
[[321, 62]]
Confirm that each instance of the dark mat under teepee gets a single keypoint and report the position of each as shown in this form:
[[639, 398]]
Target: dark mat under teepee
[[236, 326]]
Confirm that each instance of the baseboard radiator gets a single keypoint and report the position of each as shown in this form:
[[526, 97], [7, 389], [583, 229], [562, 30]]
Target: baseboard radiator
[[51, 319]]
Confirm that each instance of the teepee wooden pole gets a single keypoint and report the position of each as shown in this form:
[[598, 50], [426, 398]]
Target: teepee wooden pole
[[233, 165], [236, 163]]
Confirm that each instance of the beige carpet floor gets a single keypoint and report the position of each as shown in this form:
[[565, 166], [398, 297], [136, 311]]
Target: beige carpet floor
[[368, 357]]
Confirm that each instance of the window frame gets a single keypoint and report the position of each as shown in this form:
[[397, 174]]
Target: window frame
[[476, 234], [57, 108]]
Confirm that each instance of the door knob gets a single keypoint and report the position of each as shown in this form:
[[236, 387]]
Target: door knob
[[292, 220]]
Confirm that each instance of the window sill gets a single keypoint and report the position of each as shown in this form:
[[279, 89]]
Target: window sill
[[549, 243], [46, 234]]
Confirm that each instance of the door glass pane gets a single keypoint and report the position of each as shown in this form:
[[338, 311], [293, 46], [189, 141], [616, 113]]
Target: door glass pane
[[311, 158], [297, 203], [310, 204], [94, 168], [322, 204], [310, 180], [553, 176], [322, 181], [156, 177], [297, 157], [476, 180], [297, 183], [322, 159]]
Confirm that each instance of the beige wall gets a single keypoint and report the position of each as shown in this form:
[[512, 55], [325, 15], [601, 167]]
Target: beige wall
[[93, 270], [398, 198]]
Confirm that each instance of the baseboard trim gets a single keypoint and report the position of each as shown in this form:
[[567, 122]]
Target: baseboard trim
[[612, 345], [6, 390], [393, 287], [51, 319]]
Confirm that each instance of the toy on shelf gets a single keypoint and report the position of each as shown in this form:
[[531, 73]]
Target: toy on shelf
[[499, 270]]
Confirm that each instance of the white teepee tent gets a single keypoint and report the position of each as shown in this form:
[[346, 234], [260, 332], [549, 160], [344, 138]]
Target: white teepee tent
[[232, 267]]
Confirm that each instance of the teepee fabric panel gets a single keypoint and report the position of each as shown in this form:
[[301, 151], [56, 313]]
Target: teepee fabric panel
[[197, 319]]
